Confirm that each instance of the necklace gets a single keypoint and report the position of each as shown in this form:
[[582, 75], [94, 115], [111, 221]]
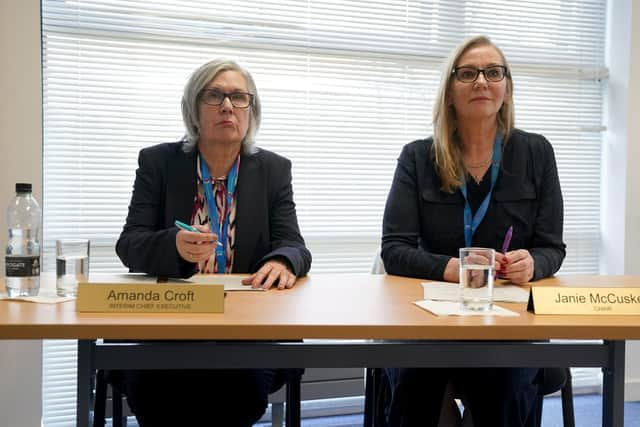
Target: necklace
[[477, 177], [479, 165]]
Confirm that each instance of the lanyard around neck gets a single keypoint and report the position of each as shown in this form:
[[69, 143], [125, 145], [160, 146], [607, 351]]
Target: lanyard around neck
[[471, 222], [214, 220]]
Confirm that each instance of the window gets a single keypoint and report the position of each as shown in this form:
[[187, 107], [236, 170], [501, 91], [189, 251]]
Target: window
[[344, 86]]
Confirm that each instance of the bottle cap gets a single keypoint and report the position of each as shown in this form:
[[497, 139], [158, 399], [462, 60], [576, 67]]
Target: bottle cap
[[23, 187]]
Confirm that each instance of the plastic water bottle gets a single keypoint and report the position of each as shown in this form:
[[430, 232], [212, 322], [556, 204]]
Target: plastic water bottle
[[22, 259]]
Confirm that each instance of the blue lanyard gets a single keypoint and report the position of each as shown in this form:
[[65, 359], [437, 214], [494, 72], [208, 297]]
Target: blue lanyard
[[214, 220], [471, 222]]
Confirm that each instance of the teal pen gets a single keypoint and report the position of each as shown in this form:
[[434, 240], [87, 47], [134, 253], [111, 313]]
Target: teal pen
[[188, 227]]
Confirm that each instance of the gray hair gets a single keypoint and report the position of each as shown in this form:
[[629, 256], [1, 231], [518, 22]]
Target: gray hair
[[448, 160], [191, 97]]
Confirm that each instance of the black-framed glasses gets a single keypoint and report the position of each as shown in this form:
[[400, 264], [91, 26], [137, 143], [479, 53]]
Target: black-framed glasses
[[494, 73], [216, 97]]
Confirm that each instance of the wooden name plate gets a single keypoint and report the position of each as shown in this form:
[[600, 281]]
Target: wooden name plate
[[107, 297], [570, 300]]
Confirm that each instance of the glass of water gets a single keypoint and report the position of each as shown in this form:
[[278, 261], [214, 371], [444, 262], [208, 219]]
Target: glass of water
[[72, 265], [477, 269]]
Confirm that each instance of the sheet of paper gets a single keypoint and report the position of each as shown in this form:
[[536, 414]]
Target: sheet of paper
[[231, 283], [122, 278], [445, 291], [451, 308], [510, 293], [45, 296]]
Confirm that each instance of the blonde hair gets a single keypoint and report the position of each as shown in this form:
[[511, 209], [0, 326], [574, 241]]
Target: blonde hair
[[446, 150]]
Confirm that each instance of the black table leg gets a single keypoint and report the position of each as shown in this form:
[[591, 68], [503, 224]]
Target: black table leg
[[85, 370], [293, 403], [613, 386]]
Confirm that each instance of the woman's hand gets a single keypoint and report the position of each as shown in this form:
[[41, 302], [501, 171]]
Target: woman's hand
[[476, 278], [516, 266], [196, 247], [267, 275], [452, 270]]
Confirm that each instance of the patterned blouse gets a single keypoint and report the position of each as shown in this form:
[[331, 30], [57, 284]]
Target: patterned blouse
[[200, 216]]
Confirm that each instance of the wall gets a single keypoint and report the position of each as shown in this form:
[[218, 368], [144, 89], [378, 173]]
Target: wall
[[632, 211], [21, 160], [621, 151], [632, 193]]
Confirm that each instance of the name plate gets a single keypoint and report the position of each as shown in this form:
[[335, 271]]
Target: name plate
[[149, 298], [570, 300]]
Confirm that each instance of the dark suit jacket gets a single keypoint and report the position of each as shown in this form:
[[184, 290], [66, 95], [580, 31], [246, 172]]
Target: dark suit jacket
[[423, 227], [164, 190]]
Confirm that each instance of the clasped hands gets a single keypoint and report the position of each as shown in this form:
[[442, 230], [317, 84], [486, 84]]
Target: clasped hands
[[515, 266], [197, 247]]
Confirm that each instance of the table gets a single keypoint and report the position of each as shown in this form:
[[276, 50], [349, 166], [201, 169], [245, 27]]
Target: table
[[371, 315]]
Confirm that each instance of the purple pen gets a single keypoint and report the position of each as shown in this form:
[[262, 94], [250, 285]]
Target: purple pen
[[505, 246], [507, 240]]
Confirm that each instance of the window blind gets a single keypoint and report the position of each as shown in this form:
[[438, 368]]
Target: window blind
[[344, 85]]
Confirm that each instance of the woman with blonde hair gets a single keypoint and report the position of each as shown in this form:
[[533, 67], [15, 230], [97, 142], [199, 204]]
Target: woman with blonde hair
[[476, 178]]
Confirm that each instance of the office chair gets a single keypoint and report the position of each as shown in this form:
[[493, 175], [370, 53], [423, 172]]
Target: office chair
[[292, 415], [555, 379], [377, 392], [100, 403]]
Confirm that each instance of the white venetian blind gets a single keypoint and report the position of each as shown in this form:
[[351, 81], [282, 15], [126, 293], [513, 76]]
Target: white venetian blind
[[344, 85]]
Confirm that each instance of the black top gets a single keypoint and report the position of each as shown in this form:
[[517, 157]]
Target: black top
[[423, 226], [164, 190], [476, 192]]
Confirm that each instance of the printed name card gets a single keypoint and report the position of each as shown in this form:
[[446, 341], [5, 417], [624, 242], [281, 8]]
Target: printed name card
[[570, 300], [149, 298]]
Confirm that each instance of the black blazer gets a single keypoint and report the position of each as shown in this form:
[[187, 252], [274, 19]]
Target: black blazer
[[423, 227], [164, 190]]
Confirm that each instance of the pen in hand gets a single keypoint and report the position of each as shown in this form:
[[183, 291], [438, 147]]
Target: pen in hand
[[188, 227], [507, 240], [505, 244]]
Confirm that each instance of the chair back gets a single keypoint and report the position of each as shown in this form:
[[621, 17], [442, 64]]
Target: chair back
[[553, 379], [378, 265]]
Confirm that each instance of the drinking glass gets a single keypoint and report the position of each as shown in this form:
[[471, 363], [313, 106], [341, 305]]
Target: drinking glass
[[72, 265], [477, 269]]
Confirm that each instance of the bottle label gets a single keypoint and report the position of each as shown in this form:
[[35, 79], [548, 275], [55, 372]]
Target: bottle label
[[22, 266]]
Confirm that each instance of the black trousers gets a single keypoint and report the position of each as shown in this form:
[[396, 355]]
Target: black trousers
[[501, 397], [224, 397]]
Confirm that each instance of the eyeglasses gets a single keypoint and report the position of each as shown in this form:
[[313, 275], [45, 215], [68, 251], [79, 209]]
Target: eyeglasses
[[215, 97], [494, 73]]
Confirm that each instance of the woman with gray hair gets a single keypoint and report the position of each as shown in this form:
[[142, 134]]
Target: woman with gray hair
[[239, 199], [475, 182]]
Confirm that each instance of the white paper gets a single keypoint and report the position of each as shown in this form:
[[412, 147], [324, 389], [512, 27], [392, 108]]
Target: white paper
[[231, 283], [510, 293], [451, 308], [446, 291], [440, 291], [45, 296], [123, 278]]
